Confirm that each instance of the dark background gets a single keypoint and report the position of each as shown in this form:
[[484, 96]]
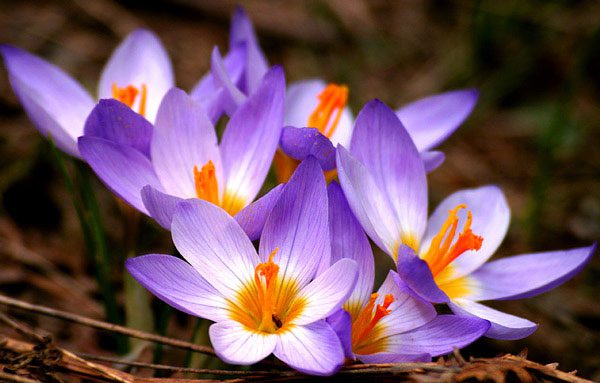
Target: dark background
[[534, 132]]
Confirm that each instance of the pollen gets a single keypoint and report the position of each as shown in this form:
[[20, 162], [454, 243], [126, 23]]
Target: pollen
[[326, 115], [442, 251], [128, 94], [364, 326], [206, 184]]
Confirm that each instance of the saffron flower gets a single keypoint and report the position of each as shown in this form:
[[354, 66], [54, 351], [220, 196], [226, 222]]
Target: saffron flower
[[270, 302], [393, 324], [180, 157], [442, 259], [317, 119]]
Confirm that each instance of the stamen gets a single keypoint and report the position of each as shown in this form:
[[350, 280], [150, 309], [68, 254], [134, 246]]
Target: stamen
[[441, 251], [206, 184], [367, 319], [265, 275], [332, 100], [128, 94]]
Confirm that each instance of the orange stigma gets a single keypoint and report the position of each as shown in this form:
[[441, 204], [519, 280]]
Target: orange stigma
[[205, 180], [265, 275], [441, 251], [367, 320], [128, 94], [332, 101]]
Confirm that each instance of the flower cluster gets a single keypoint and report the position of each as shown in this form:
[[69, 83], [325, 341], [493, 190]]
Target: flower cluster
[[306, 295]]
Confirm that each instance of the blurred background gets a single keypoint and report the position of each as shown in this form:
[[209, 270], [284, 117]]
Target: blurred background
[[535, 132]]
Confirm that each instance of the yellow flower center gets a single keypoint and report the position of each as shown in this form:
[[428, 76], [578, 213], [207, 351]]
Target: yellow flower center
[[128, 94], [207, 188], [364, 327], [442, 251], [326, 115], [267, 303]]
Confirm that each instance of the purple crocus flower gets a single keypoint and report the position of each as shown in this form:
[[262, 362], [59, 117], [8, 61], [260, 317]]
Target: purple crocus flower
[[179, 158], [442, 259], [393, 324], [322, 109], [270, 302]]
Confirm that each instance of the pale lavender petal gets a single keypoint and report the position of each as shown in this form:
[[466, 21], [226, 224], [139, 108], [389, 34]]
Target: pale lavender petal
[[183, 138], [123, 169], [115, 121], [298, 225], [348, 240], [382, 144], [440, 336], [504, 326], [313, 349], [408, 311], [242, 32], [139, 59], [251, 138], [391, 357], [491, 217], [302, 99], [231, 96], [328, 291], [236, 344], [215, 245], [341, 323], [368, 203], [432, 119], [252, 218], [208, 92], [300, 143], [178, 284], [56, 103], [415, 272], [523, 276], [160, 206], [432, 160]]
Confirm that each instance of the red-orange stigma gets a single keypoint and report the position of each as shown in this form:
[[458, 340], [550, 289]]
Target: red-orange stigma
[[128, 94], [206, 184], [265, 275], [367, 319], [332, 101], [441, 253]]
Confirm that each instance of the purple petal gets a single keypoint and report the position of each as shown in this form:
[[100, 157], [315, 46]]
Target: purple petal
[[215, 245], [415, 272], [302, 99], [328, 291], [298, 225], [523, 276], [391, 357], [235, 344], [382, 144], [300, 143], [491, 217], [313, 349], [431, 120], [252, 218], [231, 96], [504, 326], [123, 169], [341, 323], [56, 103], [209, 94], [251, 138], [440, 336], [348, 240], [139, 59], [183, 138], [408, 311], [368, 203], [242, 32], [432, 160], [160, 206], [179, 285], [115, 121]]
